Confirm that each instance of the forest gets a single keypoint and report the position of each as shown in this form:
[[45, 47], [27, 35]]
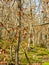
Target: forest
[[24, 32]]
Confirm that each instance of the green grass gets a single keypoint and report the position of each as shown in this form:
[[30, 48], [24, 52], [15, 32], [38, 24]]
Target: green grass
[[45, 63], [35, 54]]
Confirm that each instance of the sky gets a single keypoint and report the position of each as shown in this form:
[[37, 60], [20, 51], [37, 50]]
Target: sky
[[32, 2]]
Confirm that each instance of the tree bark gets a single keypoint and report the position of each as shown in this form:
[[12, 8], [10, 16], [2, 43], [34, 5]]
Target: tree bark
[[19, 38]]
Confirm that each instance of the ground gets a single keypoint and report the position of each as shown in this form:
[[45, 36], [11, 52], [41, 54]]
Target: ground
[[36, 54]]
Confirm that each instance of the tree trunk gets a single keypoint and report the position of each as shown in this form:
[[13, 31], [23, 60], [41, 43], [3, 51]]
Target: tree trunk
[[30, 31], [11, 52], [19, 38]]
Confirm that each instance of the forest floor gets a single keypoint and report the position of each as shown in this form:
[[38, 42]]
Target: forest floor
[[37, 55]]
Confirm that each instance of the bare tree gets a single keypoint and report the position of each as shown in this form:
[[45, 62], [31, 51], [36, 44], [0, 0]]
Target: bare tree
[[19, 38]]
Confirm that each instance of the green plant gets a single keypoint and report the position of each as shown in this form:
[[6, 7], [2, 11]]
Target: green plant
[[45, 63]]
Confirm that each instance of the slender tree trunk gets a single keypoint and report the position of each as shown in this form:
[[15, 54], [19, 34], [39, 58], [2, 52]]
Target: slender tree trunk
[[19, 38], [29, 43], [27, 58], [11, 52], [30, 31]]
